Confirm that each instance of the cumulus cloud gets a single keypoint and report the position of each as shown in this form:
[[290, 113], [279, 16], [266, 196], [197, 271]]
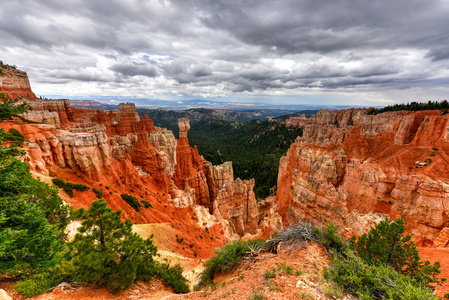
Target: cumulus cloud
[[382, 50]]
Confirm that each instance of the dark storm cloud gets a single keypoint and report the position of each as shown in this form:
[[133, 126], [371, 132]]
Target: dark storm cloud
[[222, 47], [135, 69]]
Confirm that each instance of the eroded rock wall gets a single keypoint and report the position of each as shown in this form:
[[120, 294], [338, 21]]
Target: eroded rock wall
[[394, 164], [15, 84]]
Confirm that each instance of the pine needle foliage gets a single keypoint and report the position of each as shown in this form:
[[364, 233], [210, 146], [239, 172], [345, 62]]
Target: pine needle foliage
[[106, 251]]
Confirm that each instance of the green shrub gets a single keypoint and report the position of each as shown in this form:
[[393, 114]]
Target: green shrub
[[68, 187], [98, 193], [68, 190], [432, 154], [78, 186], [225, 259], [9, 108], [16, 137], [179, 239], [373, 281], [385, 244], [446, 295], [172, 276], [146, 204], [58, 182], [43, 282], [330, 238], [434, 148], [132, 201]]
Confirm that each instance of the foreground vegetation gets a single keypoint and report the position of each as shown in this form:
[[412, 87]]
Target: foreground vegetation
[[34, 248], [254, 148], [381, 264]]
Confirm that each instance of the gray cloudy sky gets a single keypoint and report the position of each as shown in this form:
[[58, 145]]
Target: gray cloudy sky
[[328, 52]]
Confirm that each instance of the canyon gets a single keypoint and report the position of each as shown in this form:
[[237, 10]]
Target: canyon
[[350, 167], [354, 169]]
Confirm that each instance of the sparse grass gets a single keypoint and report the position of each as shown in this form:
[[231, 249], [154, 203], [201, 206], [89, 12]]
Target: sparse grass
[[273, 287], [241, 276], [269, 274], [287, 269], [304, 295], [258, 294], [332, 289]]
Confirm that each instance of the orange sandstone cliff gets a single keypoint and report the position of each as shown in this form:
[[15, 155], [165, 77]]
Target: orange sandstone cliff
[[14, 83], [391, 164]]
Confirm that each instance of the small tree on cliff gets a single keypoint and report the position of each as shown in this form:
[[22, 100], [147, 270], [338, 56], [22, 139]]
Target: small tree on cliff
[[106, 250], [386, 244], [9, 108]]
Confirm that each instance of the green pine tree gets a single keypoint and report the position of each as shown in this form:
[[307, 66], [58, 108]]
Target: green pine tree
[[106, 251], [386, 244]]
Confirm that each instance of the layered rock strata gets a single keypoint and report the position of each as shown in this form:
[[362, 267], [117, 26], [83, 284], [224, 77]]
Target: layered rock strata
[[339, 118], [15, 84], [393, 164], [61, 107]]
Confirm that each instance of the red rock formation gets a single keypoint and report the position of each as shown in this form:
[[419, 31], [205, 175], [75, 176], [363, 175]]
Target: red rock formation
[[236, 206], [190, 169], [326, 117], [146, 156], [61, 106], [15, 84], [397, 168], [129, 121], [145, 124]]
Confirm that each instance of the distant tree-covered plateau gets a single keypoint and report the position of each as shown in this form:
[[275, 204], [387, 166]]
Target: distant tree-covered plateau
[[254, 148], [415, 106]]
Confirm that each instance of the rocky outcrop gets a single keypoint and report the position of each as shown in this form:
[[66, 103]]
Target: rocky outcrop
[[165, 143], [236, 207], [370, 174], [324, 135], [44, 117], [218, 176], [145, 155], [15, 84], [60, 106], [129, 121], [190, 167], [339, 118]]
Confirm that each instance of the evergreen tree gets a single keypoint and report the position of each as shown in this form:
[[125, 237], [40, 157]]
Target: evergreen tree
[[385, 244], [10, 109], [28, 243], [106, 251]]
